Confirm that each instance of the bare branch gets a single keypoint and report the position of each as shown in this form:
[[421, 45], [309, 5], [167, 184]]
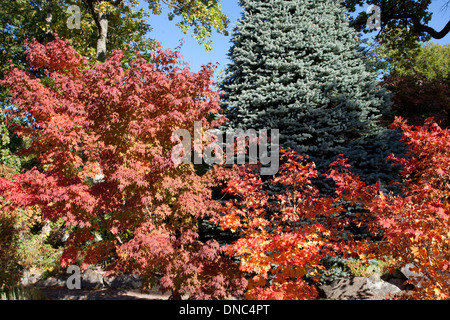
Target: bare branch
[[419, 27]]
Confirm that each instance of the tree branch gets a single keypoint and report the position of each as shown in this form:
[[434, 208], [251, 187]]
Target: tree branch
[[419, 27], [90, 5], [433, 33], [171, 5], [387, 16]]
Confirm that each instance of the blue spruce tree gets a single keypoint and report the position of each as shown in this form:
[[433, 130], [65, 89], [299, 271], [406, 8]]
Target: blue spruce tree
[[297, 66]]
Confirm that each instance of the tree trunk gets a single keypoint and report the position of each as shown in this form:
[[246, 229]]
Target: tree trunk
[[101, 21], [102, 37], [48, 20]]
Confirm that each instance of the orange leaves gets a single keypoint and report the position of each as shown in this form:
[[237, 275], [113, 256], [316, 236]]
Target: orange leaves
[[283, 235], [386, 222], [416, 225]]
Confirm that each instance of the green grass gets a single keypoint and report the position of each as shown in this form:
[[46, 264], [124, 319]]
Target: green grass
[[20, 292]]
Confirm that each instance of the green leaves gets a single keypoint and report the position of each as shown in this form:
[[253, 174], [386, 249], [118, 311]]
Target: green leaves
[[6, 157], [128, 23], [420, 80], [202, 16]]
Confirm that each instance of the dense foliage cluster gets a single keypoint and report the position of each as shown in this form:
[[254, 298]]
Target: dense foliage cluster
[[86, 149], [285, 237], [113, 122], [420, 81]]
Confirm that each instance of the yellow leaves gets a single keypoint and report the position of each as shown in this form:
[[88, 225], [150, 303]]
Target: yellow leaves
[[259, 264], [415, 252], [202, 17], [229, 221], [419, 253], [437, 292]]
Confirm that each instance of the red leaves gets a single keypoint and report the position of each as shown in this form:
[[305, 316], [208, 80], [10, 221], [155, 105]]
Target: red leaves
[[57, 55], [115, 121], [284, 236], [416, 225]]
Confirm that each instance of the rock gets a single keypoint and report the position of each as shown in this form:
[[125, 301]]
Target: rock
[[91, 279], [46, 229], [410, 275], [358, 288], [124, 281], [406, 271], [346, 288], [30, 278], [51, 282], [380, 287]]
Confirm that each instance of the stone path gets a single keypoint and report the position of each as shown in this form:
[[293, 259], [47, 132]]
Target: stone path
[[60, 293], [95, 286]]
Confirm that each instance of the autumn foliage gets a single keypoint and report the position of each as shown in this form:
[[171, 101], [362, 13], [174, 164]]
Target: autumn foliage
[[285, 236], [417, 98], [102, 135], [416, 225]]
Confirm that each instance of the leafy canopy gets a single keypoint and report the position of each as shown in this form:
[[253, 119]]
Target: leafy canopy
[[102, 133], [409, 15], [129, 22], [285, 236]]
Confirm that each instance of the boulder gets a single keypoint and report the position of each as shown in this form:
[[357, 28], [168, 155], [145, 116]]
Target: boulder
[[124, 281], [358, 288], [379, 287], [92, 279], [30, 278], [410, 275], [345, 288], [52, 282], [406, 271]]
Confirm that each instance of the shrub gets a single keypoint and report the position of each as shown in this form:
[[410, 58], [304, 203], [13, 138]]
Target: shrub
[[116, 119]]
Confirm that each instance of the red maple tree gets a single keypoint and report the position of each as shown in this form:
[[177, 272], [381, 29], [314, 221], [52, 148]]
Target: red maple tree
[[284, 236], [102, 136], [416, 224]]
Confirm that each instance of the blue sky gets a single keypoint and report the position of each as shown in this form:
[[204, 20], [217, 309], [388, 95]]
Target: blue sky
[[166, 32]]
